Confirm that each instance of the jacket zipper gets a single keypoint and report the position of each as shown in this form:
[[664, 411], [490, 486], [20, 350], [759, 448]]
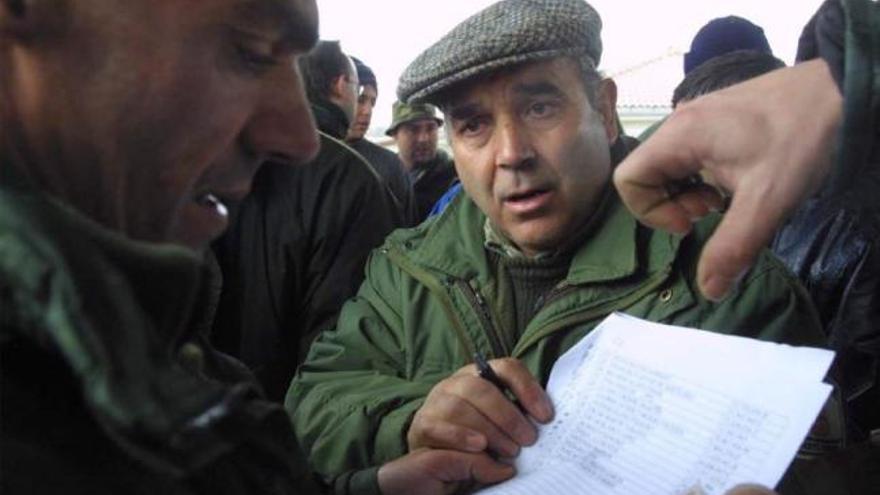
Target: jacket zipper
[[478, 303], [652, 284], [469, 347], [435, 287]]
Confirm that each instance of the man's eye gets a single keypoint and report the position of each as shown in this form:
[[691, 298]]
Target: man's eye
[[471, 127], [541, 109], [257, 59]]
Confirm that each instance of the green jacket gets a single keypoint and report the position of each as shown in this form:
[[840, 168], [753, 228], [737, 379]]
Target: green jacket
[[106, 387], [431, 297]]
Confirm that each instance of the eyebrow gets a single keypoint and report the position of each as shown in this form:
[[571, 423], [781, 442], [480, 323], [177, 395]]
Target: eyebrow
[[467, 110], [464, 111], [540, 88], [297, 30]]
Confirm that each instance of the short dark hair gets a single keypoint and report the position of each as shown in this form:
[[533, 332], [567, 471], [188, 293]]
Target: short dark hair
[[323, 65], [365, 74], [723, 71]]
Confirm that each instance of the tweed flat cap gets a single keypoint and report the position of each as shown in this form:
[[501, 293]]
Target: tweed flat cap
[[507, 33]]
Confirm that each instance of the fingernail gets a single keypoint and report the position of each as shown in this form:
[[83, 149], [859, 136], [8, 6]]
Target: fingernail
[[526, 434], [545, 410], [512, 450], [475, 442], [715, 287]]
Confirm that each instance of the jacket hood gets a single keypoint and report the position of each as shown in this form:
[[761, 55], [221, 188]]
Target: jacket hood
[[330, 118]]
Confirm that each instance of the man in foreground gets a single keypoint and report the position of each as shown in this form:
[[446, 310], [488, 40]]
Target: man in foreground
[[126, 129], [520, 268]]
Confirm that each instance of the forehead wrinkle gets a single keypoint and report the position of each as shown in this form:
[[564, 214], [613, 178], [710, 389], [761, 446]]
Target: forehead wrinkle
[[539, 88], [297, 28]]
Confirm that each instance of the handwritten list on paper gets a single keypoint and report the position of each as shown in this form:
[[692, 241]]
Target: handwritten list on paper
[[644, 408]]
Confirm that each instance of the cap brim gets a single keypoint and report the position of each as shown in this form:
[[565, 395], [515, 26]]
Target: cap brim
[[430, 92]]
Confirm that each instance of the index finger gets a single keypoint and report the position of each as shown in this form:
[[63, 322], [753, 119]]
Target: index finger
[[525, 388], [643, 177], [746, 228]]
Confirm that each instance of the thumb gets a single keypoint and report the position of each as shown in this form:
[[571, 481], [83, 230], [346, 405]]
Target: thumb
[[461, 466]]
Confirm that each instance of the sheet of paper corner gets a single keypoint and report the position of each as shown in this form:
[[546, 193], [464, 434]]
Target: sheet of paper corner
[[705, 355], [711, 359]]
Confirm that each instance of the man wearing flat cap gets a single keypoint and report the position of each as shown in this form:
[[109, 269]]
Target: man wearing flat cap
[[414, 129], [536, 253]]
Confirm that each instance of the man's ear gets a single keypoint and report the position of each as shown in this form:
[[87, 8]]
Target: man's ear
[[338, 87], [606, 98]]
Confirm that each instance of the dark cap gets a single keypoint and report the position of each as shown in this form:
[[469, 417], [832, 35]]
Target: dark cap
[[365, 74], [402, 113], [505, 34], [723, 35]]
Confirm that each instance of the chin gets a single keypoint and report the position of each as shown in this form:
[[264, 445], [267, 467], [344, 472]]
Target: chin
[[538, 240]]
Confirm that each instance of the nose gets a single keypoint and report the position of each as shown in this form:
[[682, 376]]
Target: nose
[[513, 148], [282, 126]]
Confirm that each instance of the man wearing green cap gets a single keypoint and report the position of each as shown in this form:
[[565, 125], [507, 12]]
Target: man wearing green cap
[[532, 258], [414, 128]]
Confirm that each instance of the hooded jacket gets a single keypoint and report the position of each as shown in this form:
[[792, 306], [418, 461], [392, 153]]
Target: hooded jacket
[[106, 387], [296, 250]]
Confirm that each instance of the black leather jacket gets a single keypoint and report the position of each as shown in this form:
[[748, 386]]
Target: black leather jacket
[[833, 241]]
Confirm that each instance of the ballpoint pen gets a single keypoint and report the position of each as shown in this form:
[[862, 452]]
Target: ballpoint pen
[[486, 372]]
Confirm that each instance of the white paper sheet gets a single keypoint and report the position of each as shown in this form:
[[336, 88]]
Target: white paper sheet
[[645, 408]]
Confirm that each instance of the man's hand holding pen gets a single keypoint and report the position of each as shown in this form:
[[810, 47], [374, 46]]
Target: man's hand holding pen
[[470, 412]]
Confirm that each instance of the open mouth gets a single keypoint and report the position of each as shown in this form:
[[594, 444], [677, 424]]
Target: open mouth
[[532, 201], [525, 196]]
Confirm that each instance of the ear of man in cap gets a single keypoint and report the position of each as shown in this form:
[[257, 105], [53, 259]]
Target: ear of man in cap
[[505, 34]]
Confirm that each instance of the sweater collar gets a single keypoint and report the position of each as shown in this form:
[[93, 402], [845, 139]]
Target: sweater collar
[[609, 251]]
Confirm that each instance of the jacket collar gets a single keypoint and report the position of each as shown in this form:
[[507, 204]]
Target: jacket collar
[[119, 309], [165, 280], [610, 251], [438, 164], [613, 245], [330, 118]]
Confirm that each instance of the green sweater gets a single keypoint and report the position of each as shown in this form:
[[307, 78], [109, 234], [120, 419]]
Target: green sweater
[[432, 297]]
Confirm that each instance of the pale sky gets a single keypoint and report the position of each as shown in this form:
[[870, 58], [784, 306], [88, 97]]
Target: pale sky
[[388, 34]]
